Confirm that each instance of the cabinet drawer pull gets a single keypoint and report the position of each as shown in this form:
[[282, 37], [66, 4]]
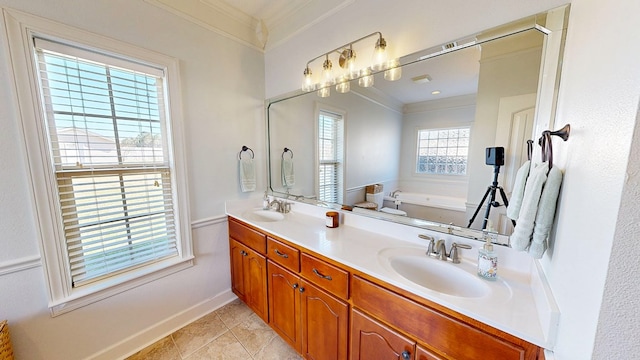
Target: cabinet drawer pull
[[406, 355], [295, 286], [301, 290], [243, 253], [327, 277], [281, 254]]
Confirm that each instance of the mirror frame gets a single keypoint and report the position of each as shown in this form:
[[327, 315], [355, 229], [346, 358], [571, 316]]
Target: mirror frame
[[552, 23]]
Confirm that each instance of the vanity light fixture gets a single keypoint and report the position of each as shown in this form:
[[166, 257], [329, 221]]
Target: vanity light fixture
[[350, 70]]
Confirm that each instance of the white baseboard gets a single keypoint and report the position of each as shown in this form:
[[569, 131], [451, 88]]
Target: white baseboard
[[150, 335]]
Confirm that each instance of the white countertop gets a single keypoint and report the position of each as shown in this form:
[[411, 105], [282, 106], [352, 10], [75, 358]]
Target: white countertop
[[519, 303]]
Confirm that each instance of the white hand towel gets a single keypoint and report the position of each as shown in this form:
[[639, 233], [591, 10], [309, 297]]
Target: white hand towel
[[288, 176], [546, 213], [521, 237], [247, 175], [513, 210]]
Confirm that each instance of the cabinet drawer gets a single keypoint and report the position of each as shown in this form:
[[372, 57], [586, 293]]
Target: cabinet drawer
[[244, 234], [283, 254], [456, 339], [329, 277]]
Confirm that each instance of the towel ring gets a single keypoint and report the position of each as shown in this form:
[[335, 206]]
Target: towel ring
[[245, 148], [546, 144], [529, 149], [287, 150]]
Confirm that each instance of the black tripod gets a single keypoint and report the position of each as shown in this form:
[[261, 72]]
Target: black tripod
[[492, 202]]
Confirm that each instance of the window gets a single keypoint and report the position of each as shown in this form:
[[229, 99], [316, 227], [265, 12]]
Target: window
[[106, 158], [330, 156], [443, 151]]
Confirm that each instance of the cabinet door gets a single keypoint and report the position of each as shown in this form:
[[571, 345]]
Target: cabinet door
[[373, 340], [325, 325], [255, 283], [284, 304], [238, 253], [424, 354]]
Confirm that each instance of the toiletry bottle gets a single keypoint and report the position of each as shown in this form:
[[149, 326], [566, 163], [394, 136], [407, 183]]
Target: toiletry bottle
[[487, 260], [265, 201]]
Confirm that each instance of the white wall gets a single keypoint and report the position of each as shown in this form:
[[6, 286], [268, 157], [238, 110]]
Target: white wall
[[451, 112], [223, 92], [599, 95], [372, 135], [581, 266]]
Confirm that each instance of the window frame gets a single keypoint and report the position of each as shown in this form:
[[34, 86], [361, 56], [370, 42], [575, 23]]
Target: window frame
[[21, 28], [320, 108], [417, 152]]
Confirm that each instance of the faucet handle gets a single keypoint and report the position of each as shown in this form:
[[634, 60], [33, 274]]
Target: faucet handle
[[431, 249], [453, 254]]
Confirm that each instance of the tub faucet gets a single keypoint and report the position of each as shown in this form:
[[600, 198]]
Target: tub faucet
[[395, 193]]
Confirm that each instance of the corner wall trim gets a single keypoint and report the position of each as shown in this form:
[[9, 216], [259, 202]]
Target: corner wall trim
[[24, 263]]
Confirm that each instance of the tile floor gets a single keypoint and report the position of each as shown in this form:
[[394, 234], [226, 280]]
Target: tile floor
[[231, 332]]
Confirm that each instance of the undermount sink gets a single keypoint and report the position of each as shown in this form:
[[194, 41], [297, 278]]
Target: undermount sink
[[446, 278], [263, 215]]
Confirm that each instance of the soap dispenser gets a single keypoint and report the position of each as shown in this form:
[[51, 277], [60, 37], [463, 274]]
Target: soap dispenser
[[265, 201], [487, 260]]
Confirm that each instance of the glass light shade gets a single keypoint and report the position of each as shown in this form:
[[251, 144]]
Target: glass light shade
[[324, 92], [394, 71], [307, 83], [379, 59], [327, 73], [366, 79], [343, 85]]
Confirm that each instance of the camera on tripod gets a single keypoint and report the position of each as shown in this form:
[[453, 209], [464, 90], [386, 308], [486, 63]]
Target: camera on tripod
[[495, 156]]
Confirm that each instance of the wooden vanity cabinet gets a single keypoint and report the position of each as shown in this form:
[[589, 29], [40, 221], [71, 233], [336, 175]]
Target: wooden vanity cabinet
[[311, 320], [442, 335], [327, 312], [249, 267], [371, 339]]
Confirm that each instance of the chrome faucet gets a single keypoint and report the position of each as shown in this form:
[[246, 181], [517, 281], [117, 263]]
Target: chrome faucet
[[441, 250], [280, 206], [453, 254], [395, 193], [438, 249]]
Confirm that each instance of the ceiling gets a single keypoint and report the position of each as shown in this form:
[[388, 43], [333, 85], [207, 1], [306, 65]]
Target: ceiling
[[261, 24]]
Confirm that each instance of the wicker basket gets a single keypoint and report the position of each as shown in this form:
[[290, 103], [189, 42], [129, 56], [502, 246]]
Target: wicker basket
[[6, 351]]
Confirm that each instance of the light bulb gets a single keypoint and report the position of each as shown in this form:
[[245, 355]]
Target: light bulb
[[327, 73], [307, 83], [379, 59], [366, 79], [394, 71], [324, 92], [347, 61], [343, 85]]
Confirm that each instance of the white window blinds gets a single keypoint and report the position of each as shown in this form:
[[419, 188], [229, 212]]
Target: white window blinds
[[330, 157], [108, 141]]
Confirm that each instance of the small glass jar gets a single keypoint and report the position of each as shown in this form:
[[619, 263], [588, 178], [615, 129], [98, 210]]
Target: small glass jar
[[333, 219]]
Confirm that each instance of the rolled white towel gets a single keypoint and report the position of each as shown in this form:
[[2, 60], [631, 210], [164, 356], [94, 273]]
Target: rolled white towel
[[247, 175], [513, 210], [546, 213], [521, 237], [288, 175]]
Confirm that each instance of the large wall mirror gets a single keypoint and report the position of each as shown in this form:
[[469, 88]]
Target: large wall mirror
[[492, 89]]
